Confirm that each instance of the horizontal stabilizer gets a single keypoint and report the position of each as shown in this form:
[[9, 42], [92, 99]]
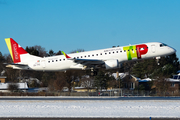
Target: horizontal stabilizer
[[16, 66]]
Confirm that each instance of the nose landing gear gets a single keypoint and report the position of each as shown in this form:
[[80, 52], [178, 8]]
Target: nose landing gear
[[157, 60], [93, 72]]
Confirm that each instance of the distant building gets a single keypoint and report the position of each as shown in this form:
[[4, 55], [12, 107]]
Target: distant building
[[144, 84], [129, 81], [174, 84], [21, 86], [2, 79], [4, 85]]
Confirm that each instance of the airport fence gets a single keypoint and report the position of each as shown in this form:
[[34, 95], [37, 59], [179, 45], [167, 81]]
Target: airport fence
[[124, 93], [114, 92], [106, 93]]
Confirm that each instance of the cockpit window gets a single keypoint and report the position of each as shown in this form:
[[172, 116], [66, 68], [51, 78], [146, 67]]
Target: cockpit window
[[162, 45]]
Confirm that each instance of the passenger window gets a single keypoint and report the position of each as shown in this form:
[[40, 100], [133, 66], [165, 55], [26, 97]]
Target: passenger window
[[59, 59], [109, 52], [52, 60], [100, 53], [48, 61], [88, 55], [116, 51], [63, 59], [92, 55], [96, 54], [105, 53]]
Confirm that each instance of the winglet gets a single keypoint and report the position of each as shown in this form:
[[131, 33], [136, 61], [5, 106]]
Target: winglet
[[65, 54]]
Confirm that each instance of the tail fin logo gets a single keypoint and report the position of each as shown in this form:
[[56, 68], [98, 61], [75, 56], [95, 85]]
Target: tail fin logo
[[16, 55], [15, 50]]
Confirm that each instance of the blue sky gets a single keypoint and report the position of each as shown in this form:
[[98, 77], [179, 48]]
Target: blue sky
[[89, 24]]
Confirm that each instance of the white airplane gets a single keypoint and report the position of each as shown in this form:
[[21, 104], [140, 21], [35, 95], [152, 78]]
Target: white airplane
[[110, 58]]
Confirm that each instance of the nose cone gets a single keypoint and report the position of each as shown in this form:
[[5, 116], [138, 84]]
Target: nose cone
[[172, 50]]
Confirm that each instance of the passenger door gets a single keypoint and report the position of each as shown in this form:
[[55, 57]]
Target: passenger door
[[153, 48]]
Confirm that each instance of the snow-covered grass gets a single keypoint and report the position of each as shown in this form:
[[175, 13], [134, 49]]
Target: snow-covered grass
[[90, 108]]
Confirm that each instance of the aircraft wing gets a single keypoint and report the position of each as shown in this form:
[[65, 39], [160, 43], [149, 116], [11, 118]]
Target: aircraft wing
[[86, 62], [89, 61]]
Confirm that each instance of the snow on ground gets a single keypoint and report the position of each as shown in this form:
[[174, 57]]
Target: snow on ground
[[90, 108]]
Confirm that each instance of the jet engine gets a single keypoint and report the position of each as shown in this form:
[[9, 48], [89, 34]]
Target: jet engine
[[110, 64]]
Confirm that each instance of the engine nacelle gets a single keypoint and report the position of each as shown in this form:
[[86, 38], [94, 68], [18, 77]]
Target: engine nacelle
[[111, 64]]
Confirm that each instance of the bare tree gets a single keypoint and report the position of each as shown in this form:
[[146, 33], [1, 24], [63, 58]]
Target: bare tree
[[13, 86], [59, 53], [36, 50], [42, 51], [59, 84], [60, 81], [51, 53], [87, 82], [162, 86], [77, 51]]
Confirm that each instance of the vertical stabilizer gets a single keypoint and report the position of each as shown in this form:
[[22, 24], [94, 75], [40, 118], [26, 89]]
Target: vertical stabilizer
[[15, 50]]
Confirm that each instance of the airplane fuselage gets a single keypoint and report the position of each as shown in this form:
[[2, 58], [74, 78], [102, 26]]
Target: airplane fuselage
[[121, 54], [109, 58]]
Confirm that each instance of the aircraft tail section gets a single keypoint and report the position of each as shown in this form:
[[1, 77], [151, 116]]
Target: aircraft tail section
[[18, 54]]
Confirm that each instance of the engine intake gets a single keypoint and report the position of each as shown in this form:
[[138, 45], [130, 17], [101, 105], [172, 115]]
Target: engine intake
[[111, 64]]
